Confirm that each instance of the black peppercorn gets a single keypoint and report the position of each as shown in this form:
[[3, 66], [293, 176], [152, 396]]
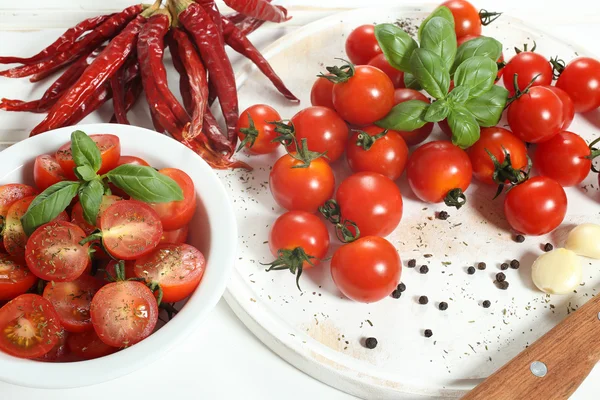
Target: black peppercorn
[[486, 304], [471, 270], [443, 306], [428, 333], [401, 287], [396, 294], [548, 247], [424, 269], [443, 215], [520, 238], [412, 263], [503, 285], [423, 300], [500, 277], [481, 266], [515, 264], [371, 343], [504, 266]]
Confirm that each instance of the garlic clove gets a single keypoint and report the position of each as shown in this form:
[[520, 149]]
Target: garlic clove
[[585, 240], [557, 272]]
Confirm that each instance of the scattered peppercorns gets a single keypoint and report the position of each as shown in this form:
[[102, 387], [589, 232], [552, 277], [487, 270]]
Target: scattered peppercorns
[[548, 247], [424, 269], [515, 264], [481, 266], [371, 343], [428, 333], [503, 285], [412, 263], [423, 300], [396, 294], [443, 215], [500, 277], [401, 287], [443, 306], [471, 270], [504, 266], [486, 304], [520, 238]]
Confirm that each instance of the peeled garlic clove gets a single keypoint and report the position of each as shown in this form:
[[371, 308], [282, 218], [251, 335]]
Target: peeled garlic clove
[[585, 240], [557, 272]]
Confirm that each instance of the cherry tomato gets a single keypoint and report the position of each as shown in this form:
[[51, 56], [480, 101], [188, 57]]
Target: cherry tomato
[[130, 229], [496, 140], [255, 131], [60, 352], [14, 236], [87, 345], [581, 80], [387, 155], [418, 135], [53, 252], [110, 151], [372, 201], [466, 18], [395, 75], [527, 65], [15, 277], [177, 236], [72, 300], [366, 270], [536, 116], [29, 326], [324, 130], [47, 171], [366, 97], [133, 160], [124, 313], [536, 206], [77, 214], [362, 45], [12, 192], [568, 106], [563, 158], [436, 168], [302, 189], [176, 214], [321, 93]]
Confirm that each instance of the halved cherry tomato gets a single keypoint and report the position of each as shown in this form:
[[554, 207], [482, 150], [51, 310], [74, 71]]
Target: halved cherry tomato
[[366, 270], [321, 93], [12, 192], [130, 229], [110, 151], [362, 45], [124, 313], [536, 206], [77, 213], [563, 158], [418, 135], [29, 326], [466, 18], [581, 80], [87, 345], [15, 277], [53, 252], [176, 214], [372, 201], [536, 116], [387, 155], [568, 106], [133, 160], [395, 75], [527, 65], [261, 131], [72, 300], [60, 352], [176, 268], [177, 236], [47, 171]]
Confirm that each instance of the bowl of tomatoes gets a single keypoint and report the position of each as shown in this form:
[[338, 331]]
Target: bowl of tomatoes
[[116, 242]]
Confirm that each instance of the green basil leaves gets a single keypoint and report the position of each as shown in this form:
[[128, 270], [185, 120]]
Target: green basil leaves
[[90, 197], [487, 108], [406, 116], [438, 36], [397, 45], [477, 74], [441, 12], [48, 204], [85, 152], [430, 72], [481, 46], [145, 184]]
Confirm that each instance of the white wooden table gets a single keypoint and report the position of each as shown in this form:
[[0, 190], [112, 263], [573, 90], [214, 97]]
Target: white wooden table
[[223, 360]]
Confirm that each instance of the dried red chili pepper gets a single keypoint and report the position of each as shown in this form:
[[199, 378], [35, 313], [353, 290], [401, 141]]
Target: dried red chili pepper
[[101, 96], [63, 43], [133, 90], [211, 8], [249, 25], [240, 43], [184, 81], [117, 86], [236, 17], [259, 9], [213, 132]]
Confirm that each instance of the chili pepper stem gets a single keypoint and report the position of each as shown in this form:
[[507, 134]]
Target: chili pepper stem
[[151, 9]]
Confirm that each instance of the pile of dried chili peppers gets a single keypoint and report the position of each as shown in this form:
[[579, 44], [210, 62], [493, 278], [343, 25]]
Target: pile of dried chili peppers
[[120, 55]]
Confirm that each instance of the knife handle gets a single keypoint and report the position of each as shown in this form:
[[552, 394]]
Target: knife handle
[[566, 354]]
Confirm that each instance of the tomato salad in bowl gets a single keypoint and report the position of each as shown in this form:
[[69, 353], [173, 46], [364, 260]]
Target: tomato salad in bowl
[[100, 250]]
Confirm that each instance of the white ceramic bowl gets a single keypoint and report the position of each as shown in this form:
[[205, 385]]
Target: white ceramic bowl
[[213, 231]]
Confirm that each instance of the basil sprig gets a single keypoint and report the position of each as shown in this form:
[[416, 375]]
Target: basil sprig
[[140, 182]]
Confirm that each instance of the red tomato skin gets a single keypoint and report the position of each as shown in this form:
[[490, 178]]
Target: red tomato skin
[[303, 189], [568, 106], [177, 214], [261, 115], [362, 45], [321, 93], [47, 172], [366, 270], [15, 277], [88, 346], [436, 168], [387, 156], [466, 18], [300, 229], [324, 130], [418, 135], [177, 236], [77, 213], [366, 97], [133, 160], [372, 201], [581, 80], [536, 116], [536, 207], [60, 352], [395, 75], [495, 140], [563, 159], [110, 150], [527, 65], [11, 193]]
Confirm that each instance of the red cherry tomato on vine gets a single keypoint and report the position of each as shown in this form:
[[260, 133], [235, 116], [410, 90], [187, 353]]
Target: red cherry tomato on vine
[[395, 75], [47, 171], [568, 106], [536, 116], [418, 135], [321, 93], [527, 65], [466, 18], [496, 140], [365, 97], [258, 140], [366, 270], [581, 80], [110, 151], [362, 45], [387, 155], [563, 158], [372, 201], [536, 206]]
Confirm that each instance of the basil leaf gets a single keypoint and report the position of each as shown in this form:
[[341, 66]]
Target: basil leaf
[[487, 107], [481, 46], [48, 204], [439, 36], [464, 126], [85, 151], [145, 184], [437, 111], [85, 173], [443, 12], [406, 116], [430, 72], [396, 44], [459, 95], [477, 73], [90, 197], [410, 82]]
